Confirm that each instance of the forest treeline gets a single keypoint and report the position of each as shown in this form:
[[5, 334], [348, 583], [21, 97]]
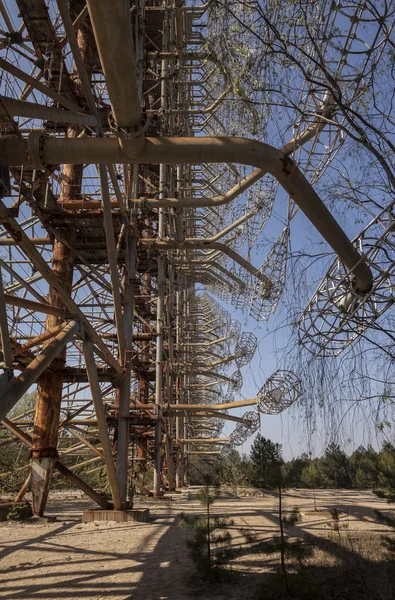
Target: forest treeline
[[366, 468]]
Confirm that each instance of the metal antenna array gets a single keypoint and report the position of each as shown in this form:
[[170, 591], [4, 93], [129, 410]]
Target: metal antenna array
[[127, 184], [338, 314]]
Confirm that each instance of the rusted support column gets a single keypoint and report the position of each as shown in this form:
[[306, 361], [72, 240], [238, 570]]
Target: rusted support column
[[170, 462], [125, 381], [59, 466], [49, 397], [50, 385]]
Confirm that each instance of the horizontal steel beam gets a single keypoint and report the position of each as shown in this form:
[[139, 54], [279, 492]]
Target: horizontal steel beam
[[35, 241], [203, 407], [19, 235], [19, 108], [204, 452], [34, 306], [204, 441], [200, 150]]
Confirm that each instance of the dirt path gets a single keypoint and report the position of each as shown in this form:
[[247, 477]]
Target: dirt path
[[148, 561]]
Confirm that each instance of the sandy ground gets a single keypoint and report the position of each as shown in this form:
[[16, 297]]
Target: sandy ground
[[149, 561]]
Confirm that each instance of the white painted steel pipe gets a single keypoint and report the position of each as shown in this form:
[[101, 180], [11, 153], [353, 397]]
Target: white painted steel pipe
[[111, 26], [201, 150]]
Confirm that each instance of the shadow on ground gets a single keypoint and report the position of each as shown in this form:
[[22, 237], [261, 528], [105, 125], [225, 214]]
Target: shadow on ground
[[72, 561]]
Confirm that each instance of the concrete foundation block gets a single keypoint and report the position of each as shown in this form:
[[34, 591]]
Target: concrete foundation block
[[120, 516]]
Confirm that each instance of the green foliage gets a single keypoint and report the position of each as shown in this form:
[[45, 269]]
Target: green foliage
[[19, 512], [266, 460], [97, 479], [207, 495], [293, 518], [235, 470], [336, 467], [312, 475], [14, 456], [200, 468], [249, 536], [210, 545], [294, 469], [387, 519], [336, 524], [386, 466], [297, 549], [14, 514], [26, 404], [364, 469]]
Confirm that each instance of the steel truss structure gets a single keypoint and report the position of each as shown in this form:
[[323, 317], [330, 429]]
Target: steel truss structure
[[121, 198]]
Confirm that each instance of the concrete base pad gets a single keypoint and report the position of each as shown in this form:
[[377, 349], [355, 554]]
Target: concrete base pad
[[121, 516]]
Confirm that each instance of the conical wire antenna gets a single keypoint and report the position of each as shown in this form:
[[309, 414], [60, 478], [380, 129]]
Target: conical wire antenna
[[338, 314], [242, 431], [281, 390], [245, 348], [274, 267]]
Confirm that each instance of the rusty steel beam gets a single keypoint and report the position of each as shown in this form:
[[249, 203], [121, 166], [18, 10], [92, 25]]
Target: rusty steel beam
[[35, 241], [50, 385], [48, 309], [223, 406], [40, 339], [204, 441], [210, 413], [192, 452], [101, 422]]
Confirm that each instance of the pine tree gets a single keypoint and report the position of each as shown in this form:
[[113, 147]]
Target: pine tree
[[266, 458], [386, 490], [210, 544], [297, 548]]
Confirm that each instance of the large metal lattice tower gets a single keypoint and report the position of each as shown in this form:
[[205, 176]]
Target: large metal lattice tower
[[127, 188]]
